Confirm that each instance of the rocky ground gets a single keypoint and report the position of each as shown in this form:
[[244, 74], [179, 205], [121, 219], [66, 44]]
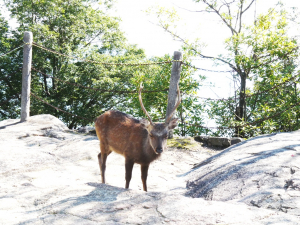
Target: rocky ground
[[50, 175]]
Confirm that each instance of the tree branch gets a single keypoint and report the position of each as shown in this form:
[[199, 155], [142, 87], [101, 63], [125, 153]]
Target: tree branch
[[241, 13], [218, 13], [196, 51], [248, 6]]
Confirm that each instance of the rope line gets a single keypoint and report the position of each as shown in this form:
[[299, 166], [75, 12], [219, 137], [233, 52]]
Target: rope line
[[122, 64], [249, 95], [246, 124], [274, 87], [45, 102], [213, 99], [195, 125], [102, 63], [4, 54], [215, 71], [270, 117], [87, 119], [96, 89]]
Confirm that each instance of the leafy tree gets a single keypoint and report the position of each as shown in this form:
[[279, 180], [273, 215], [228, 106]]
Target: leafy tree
[[64, 26], [260, 52], [87, 88]]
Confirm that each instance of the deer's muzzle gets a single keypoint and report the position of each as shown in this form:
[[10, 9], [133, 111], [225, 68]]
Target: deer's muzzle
[[159, 150]]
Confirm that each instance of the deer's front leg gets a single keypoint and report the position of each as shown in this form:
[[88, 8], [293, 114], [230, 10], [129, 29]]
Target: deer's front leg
[[144, 171], [128, 171]]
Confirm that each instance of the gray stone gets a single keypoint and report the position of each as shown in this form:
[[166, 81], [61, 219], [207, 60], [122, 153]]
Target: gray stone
[[85, 129], [263, 172], [202, 139], [236, 140], [219, 142]]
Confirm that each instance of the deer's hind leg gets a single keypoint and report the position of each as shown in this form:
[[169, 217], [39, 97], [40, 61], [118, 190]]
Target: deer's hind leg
[[102, 156]]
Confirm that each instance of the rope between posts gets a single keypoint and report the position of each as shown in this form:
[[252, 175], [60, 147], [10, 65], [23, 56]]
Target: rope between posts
[[96, 89], [4, 54], [276, 86], [102, 63], [215, 71], [195, 125], [45, 102], [249, 95], [246, 124]]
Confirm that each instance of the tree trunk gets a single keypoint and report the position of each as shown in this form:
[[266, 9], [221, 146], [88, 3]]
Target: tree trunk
[[54, 74], [241, 108], [46, 86], [297, 113], [174, 81]]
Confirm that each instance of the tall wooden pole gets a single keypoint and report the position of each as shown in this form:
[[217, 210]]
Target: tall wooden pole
[[174, 81], [26, 76]]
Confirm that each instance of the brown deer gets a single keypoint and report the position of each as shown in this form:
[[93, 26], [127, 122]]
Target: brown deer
[[139, 141]]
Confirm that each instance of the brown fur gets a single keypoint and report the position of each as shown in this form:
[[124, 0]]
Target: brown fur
[[137, 140]]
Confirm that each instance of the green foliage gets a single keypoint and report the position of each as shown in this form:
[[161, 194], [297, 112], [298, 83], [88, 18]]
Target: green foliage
[[270, 62], [74, 28], [187, 143], [191, 117], [262, 54]]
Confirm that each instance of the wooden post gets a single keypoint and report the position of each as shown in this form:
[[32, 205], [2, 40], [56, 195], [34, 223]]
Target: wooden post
[[175, 77], [26, 76]]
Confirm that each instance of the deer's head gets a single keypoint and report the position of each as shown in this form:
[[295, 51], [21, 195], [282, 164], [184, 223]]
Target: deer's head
[[158, 132]]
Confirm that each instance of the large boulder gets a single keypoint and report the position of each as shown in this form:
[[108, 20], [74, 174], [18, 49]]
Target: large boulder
[[50, 175], [263, 172]]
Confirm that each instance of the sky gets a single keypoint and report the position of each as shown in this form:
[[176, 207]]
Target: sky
[[142, 29]]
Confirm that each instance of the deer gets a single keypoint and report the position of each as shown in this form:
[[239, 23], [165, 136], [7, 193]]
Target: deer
[[139, 141]]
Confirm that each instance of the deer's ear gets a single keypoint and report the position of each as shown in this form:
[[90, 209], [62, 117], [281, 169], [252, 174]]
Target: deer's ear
[[172, 124], [145, 123]]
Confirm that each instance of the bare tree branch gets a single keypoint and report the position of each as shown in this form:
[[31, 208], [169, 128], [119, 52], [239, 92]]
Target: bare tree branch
[[221, 7], [223, 19], [195, 50], [248, 6], [243, 11]]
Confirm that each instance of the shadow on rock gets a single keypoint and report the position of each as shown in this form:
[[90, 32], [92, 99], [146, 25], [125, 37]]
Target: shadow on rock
[[104, 205], [9, 125]]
